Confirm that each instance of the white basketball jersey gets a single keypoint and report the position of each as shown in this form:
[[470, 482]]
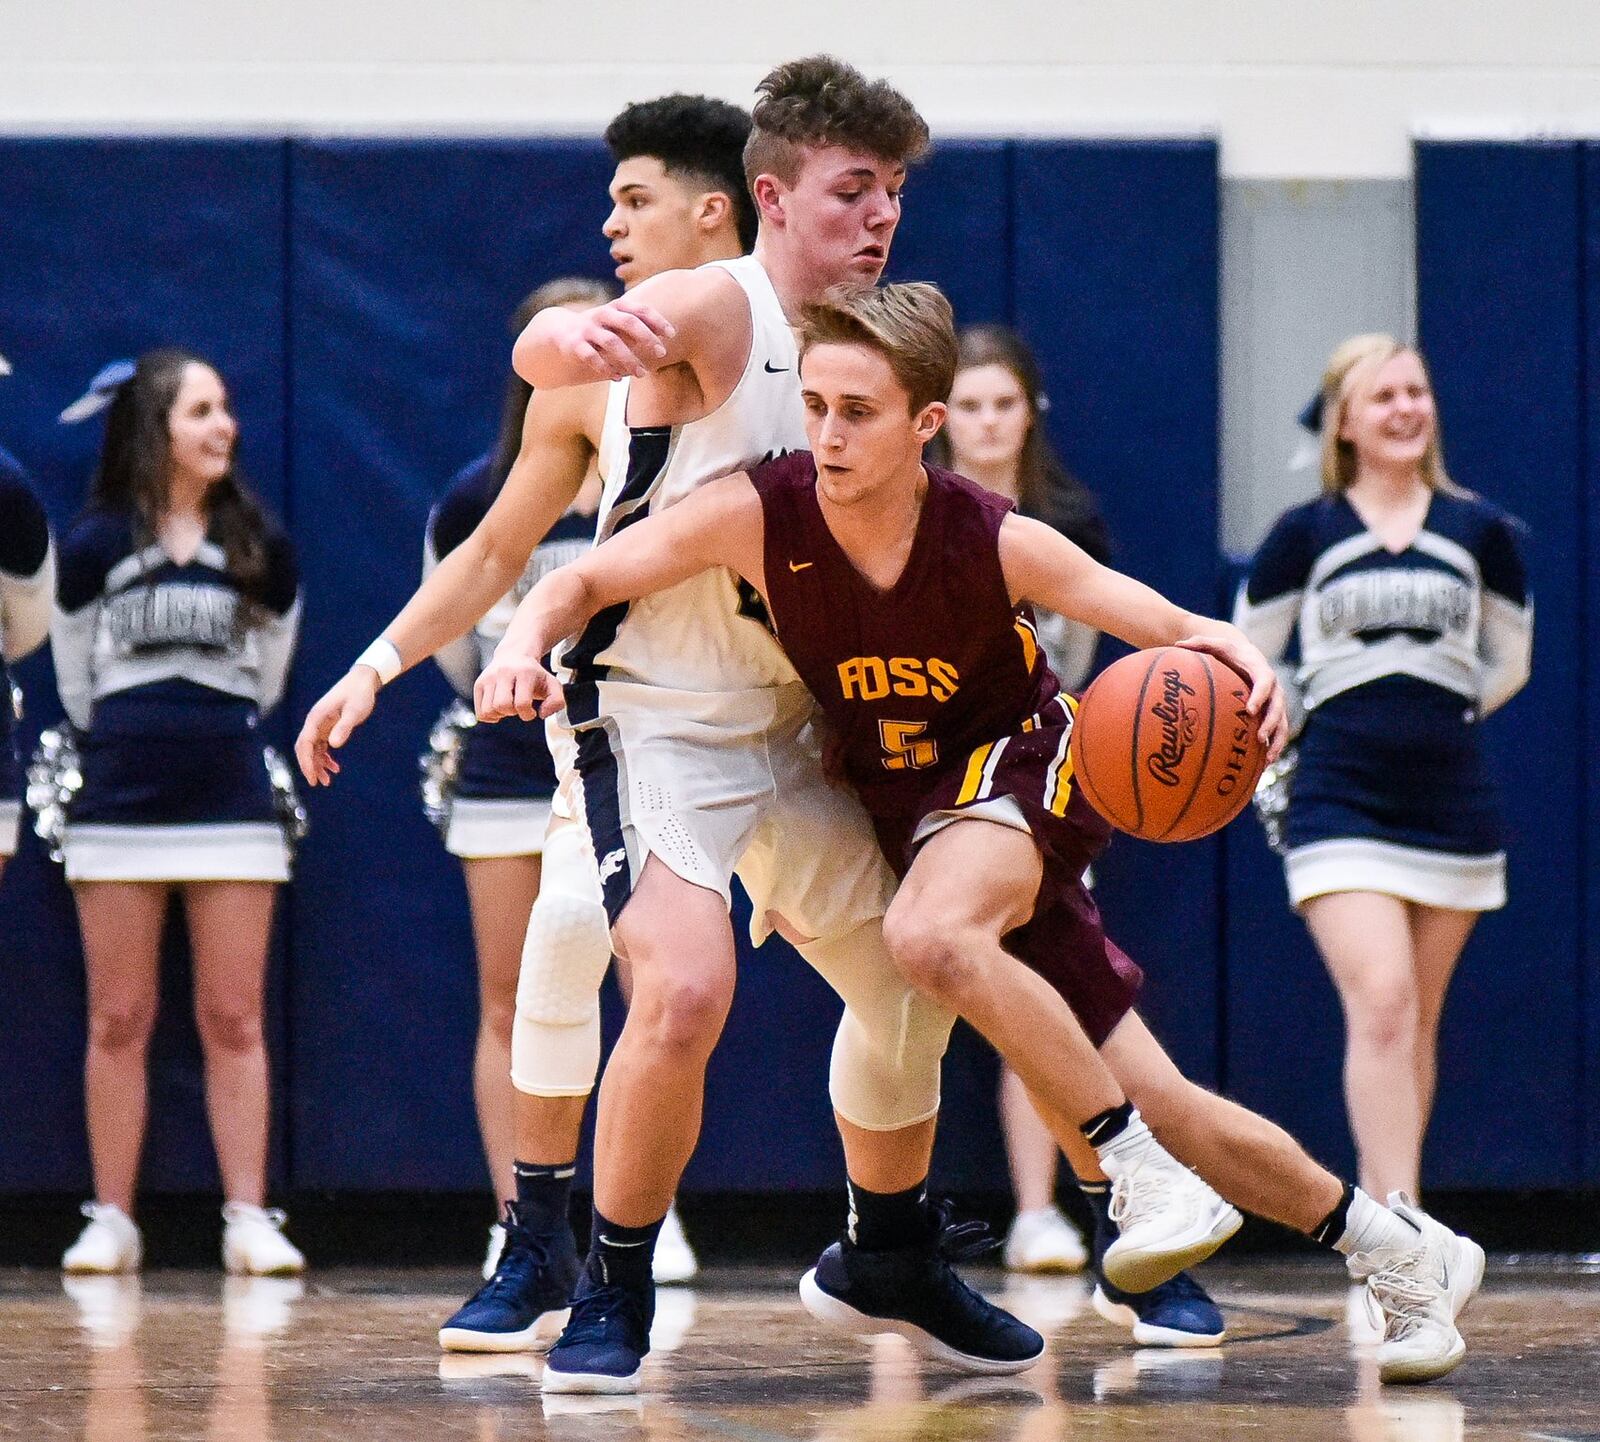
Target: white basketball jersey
[[709, 633], [611, 453]]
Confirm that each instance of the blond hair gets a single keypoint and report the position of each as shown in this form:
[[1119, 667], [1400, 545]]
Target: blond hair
[[910, 325], [1352, 360]]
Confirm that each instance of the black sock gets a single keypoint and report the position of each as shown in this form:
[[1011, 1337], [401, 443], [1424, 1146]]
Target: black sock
[[544, 1194], [622, 1255], [1104, 1126], [887, 1221], [1332, 1227], [1098, 1196]]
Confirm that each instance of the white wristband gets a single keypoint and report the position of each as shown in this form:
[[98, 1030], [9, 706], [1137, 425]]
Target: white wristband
[[382, 656]]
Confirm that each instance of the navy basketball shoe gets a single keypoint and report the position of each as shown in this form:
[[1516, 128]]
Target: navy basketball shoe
[[520, 1307], [604, 1343], [915, 1292], [1178, 1313]]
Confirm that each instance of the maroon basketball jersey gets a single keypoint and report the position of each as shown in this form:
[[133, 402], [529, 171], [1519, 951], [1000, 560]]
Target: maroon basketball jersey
[[912, 678]]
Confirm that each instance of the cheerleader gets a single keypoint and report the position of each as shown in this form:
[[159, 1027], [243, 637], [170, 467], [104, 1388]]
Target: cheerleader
[[993, 435], [488, 788], [27, 582], [1405, 602], [177, 607]]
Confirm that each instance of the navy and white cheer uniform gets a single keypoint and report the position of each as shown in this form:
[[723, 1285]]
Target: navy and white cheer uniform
[[498, 803], [165, 670], [1399, 656], [27, 584]]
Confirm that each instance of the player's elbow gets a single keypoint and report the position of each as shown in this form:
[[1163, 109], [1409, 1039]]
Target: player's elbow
[[535, 358], [525, 359]]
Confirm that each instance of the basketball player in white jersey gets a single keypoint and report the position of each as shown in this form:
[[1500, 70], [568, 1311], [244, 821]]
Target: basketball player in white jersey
[[695, 752], [678, 201]]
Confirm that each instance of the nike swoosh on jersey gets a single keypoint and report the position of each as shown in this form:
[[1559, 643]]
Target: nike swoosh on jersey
[[800, 565], [773, 370]]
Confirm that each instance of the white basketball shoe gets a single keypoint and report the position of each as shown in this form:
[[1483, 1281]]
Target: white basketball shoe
[[1419, 1294], [253, 1243], [497, 1244], [109, 1244], [1043, 1241], [674, 1259], [1167, 1218]]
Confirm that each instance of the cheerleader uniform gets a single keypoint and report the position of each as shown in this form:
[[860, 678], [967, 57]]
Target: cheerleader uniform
[[1400, 655], [27, 582], [165, 671], [490, 787]]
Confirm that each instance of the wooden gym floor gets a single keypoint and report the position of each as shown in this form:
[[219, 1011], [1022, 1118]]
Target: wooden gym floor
[[350, 1355]]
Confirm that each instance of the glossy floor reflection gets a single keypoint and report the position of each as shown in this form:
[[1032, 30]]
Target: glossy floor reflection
[[350, 1356]]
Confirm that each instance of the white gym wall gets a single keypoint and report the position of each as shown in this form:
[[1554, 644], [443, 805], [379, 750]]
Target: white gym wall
[[1295, 88]]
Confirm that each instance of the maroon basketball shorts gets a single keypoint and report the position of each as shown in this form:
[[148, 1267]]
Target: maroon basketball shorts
[[1025, 781]]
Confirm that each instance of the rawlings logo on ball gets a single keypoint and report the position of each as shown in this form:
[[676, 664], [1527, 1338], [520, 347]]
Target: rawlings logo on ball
[[1179, 723]]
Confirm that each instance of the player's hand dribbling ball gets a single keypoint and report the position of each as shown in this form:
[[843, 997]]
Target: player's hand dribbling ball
[[1164, 747]]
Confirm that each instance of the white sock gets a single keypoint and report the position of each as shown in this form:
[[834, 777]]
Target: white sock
[[1134, 1137], [1371, 1227]]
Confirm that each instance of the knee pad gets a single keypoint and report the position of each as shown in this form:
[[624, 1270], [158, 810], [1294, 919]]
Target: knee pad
[[555, 1038], [884, 1072]]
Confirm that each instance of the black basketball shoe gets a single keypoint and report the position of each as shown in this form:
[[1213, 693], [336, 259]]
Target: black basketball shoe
[[915, 1291]]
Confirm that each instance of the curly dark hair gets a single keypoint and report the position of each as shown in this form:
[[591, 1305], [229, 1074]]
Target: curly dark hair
[[696, 139], [821, 100], [132, 478]]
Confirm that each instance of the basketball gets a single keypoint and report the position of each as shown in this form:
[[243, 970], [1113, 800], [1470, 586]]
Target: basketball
[[1163, 746]]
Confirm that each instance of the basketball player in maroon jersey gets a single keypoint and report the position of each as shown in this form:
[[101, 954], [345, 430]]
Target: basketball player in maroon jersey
[[901, 594]]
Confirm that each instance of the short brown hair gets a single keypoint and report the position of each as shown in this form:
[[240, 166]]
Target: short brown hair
[[910, 326], [823, 101]]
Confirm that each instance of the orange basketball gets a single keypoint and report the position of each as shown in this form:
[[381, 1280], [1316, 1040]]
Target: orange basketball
[[1163, 746]]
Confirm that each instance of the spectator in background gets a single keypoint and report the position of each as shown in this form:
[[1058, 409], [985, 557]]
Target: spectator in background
[[489, 787], [992, 435], [177, 608], [1406, 601], [27, 583]]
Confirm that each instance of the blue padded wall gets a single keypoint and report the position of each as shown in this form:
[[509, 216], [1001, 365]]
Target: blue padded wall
[[112, 247], [1589, 638], [1115, 286], [408, 258], [354, 293], [956, 227], [1500, 287]]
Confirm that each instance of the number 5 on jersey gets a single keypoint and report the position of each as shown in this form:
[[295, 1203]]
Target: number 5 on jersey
[[904, 749]]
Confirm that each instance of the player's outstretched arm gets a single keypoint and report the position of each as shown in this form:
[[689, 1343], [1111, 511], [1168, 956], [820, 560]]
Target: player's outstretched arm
[[718, 525], [1044, 567], [672, 319], [546, 476]]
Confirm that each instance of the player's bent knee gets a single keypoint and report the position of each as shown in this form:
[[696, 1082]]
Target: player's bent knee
[[681, 1011], [883, 1089], [564, 959], [555, 1061], [935, 957], [555, 1035]]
